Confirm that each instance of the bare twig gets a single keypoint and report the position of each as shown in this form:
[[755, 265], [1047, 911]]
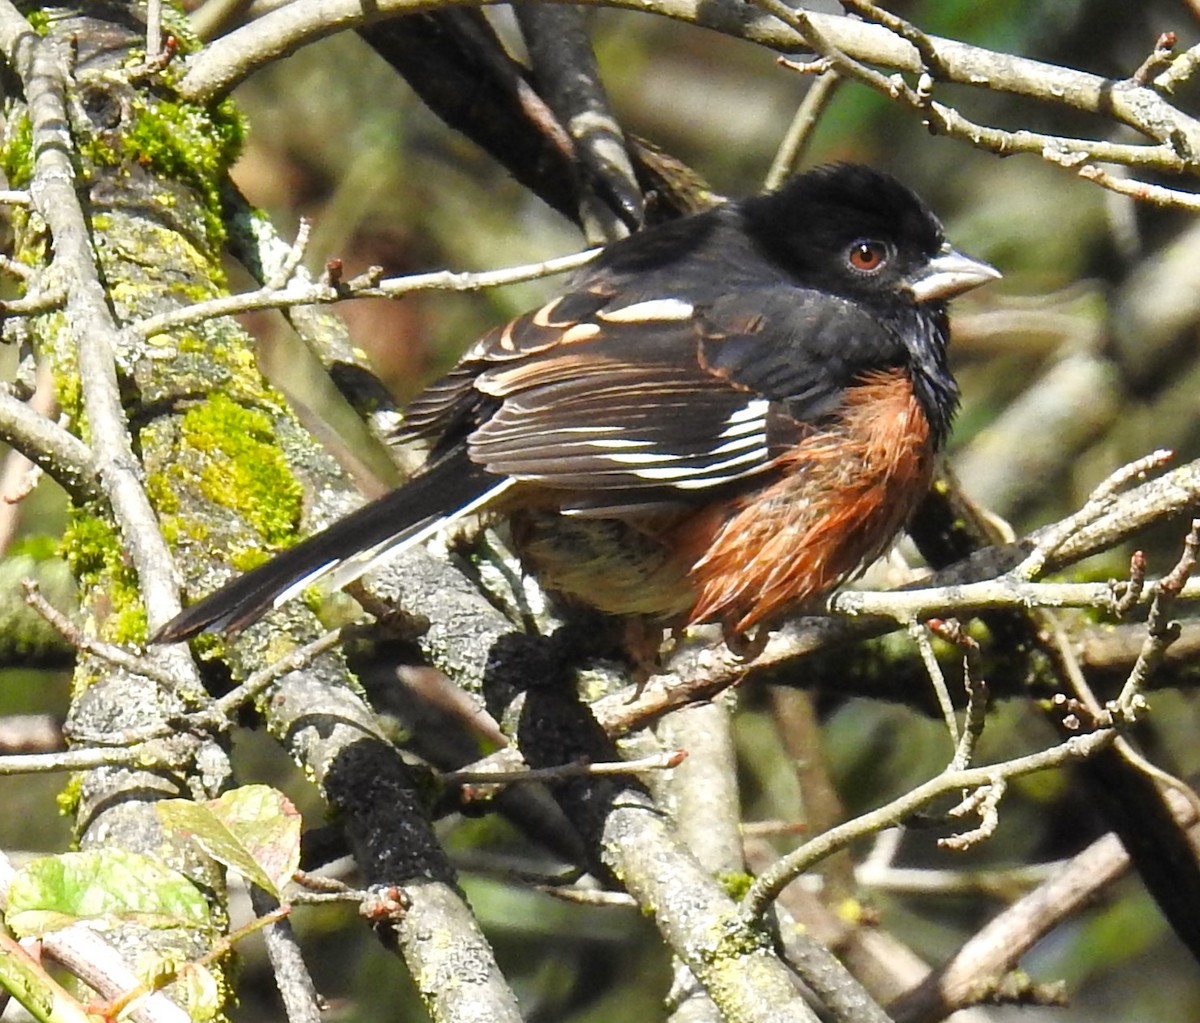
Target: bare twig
[[105, 651], [34, 302], [161, 753], [300, 293], [1161, 631], [1100, 501], [905, 605], [224, 708], [658, 762], [1145, 191], [1159, 60], [984, 801], [799, 133], [976, 688], [770, 883], [55, 451], [920, 636]]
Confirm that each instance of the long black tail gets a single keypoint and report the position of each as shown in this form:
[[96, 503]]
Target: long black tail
[[445, 491]]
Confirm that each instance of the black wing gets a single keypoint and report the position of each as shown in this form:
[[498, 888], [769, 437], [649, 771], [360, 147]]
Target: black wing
[[658, 400]]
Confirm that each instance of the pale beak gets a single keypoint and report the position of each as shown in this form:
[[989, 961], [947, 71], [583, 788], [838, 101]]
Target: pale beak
[[950, 273]]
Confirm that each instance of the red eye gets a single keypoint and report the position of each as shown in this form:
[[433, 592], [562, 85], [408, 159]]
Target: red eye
[[867, 256]]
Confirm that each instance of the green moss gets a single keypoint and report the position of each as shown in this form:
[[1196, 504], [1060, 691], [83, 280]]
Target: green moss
[[93, 551], [183, 141], [191, 144], [736, 883], [735, 940], [250, 558], [243, 468], [68, 798], [16, 158]]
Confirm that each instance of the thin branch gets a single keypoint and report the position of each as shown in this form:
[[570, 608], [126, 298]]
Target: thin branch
[[34, 302], [300, 293], [657, 762], [1156, 195], [1099, 501], [1158, 61], [109, 652], [162, 754], [800, 131], [917, 604], [226, 706], [771, 882], [920, 636], [55, 451]]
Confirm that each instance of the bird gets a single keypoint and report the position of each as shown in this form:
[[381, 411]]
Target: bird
[[719, 420]]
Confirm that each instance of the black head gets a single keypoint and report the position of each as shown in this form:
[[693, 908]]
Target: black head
[[858, 233], [847, 229]]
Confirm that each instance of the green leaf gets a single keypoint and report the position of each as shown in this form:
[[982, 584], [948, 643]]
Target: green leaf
[[253, 829], [106, 886]]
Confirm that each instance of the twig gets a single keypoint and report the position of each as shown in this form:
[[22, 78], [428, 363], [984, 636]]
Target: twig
[[919, 604], [291, 261], [976, 688], [216, 715], [1097, 504], [984, 801], [800, 131], [109, 652], [1180, 70], [1158, 61], [34, 303], [657, 762], [1161, 632], [807, 26], [1127, 594], [297, 293], [931, 61], [161, 753], [920, 636], [227, 705], [770, 883], [588, 896], [55, 451], [1157, 195]]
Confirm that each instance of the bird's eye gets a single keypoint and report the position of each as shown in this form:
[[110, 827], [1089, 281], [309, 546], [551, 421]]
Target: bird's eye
[[867, 256]]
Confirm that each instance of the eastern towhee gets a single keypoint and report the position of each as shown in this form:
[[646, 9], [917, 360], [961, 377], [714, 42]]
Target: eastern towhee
[[720, 419]]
